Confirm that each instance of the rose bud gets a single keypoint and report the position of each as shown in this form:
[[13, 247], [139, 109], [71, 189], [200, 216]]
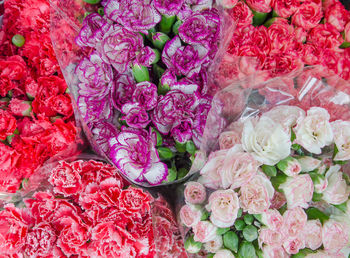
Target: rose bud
[[214, 245], [20, 107], [289, 166], [192, 246], [140, 73], [308, 163], [159, 40], [190, 215]]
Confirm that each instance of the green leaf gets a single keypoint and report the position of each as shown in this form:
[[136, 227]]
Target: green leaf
[[239, 214], [250, 233], [190, 147], [240, 224], [176, 27], [314, 213], [248, 219], [205, 215], [270, 171], [259, 18], [192, 246], [172, 174], [182, 172], [180, 147], [343, 206], [165, 153], [278, 180], [246, 250], [292, 136], [302, 253], [231, 241], [92, 1], [316, 197], [296, 147], [221, 231]]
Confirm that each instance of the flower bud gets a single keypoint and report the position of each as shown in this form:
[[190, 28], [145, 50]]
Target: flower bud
[[259, 18], [159, 40], [250, 233], [165, 153], [192, 246], [157, 56], [18, 40], [231, 241], [320, 182], [140, 73], [246, 250], [166, 23], [308, 163], [150, 33], [289, 166], [163, 88], [20, 107], [176, 27]]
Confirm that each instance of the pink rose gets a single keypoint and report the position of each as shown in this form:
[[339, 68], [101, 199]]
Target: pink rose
[[285, 8], [293, 245], [334, 236], [337, 15], [273, 219], [224, 253], [261, 6], [269, 237], [204, 231], [270, 251], [298, 191], [228, 139], [194, 193], [325, 36], [190, 215], [239, 168], [65, 178], [313, 234], [255, 196], [294, 222], [347, 32], [308, 15], [210, 172], [224, 206], [241, 14]]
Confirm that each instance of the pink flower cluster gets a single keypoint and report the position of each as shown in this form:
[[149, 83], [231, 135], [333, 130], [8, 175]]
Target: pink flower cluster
[[300, 33], [270, 179], [36, 115], [92, 212]]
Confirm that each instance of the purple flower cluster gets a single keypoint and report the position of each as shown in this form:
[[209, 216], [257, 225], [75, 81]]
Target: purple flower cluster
[[142, 92]]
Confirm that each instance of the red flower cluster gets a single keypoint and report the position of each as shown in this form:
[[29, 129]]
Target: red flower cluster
[[295, 34], [92, 212], [36, 116]]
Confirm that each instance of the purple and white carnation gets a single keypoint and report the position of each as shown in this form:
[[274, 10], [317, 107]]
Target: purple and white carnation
[[185, 85], [95, 75], [134, 154], [146, 95], [95, 109], [168, 7], [182, 130], [93, 29], [134, 15], [172, 108], [201, 28], [123, 89], [200, 118], [102, 131], [119, 47], [146, 56], [186, 60], [136, 115]]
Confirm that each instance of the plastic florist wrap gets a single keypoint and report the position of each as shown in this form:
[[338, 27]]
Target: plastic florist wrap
[[275, 182], [87, 210], [36, 115], [140, 80]]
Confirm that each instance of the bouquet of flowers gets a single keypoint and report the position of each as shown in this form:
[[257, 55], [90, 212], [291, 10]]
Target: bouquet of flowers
[[275, 183], [275, 38], [86, 209], [36, 115], [142, 88]]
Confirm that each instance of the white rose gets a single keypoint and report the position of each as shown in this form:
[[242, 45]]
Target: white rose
[[313, 234], [287, 116], [214, 245], [309, 163], [298, 191], [337, 190], [341, 130], [314, 131], [266, 140]]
